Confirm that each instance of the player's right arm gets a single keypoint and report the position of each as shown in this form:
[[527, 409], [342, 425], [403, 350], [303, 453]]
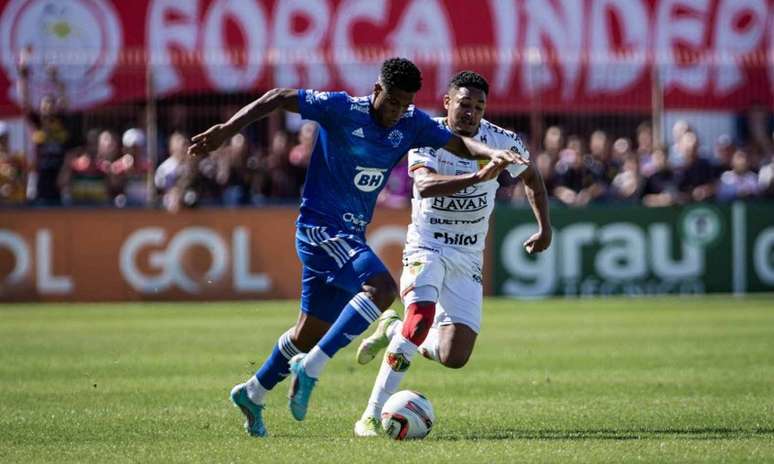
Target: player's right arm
[[537, 196], [468, 147], [431, 184], [215, 136]]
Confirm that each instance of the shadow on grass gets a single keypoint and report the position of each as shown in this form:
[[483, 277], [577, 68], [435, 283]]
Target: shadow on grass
[[612, 434]]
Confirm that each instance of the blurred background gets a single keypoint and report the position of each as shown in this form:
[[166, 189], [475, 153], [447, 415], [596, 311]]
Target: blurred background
[[651, 121]]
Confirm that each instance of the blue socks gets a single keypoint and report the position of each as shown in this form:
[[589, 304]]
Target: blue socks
[[355, 319], [359, 313], [276, 367]]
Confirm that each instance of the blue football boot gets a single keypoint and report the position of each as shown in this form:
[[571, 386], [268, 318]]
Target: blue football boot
[[301, 386], [253, 412]]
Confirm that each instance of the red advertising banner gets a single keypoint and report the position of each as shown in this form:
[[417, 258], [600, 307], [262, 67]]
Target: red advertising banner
[[558, 55]]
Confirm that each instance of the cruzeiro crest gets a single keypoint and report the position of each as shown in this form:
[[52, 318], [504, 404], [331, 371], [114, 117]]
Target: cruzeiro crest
[[395, 138]]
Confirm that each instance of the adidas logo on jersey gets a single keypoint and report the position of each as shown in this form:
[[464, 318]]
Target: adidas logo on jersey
[[358, 133]]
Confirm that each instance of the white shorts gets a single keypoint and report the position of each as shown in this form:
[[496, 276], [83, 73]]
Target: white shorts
[[456, 276]]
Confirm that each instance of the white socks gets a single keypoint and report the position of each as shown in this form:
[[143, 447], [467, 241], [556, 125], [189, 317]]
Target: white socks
[[396, 361], [315, 361], [388, 380], [429, 348], [255, 390]]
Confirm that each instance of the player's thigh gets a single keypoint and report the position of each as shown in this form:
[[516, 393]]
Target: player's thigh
[[455, 344], [366, 272], [421, 269], [461, 297], [321, 300]]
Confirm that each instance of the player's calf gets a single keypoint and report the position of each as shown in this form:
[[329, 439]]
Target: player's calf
[[455, 345]]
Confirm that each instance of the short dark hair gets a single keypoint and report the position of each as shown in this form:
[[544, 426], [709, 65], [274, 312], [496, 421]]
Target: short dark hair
[[471, 80], [402, 74]]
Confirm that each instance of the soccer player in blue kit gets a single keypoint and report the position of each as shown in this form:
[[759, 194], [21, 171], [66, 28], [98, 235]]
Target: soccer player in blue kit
[[345, 286]]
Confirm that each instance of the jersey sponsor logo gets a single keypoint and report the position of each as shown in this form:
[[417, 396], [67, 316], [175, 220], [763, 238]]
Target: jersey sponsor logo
[[464, 204], [369, 179], [395, 138], [357, 222], [456, 239], [455, 222], [358, 133]]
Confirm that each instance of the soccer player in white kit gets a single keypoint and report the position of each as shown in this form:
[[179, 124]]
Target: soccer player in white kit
[[441, 282]]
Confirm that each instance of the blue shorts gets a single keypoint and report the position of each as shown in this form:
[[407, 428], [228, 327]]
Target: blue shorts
[[335, 267]]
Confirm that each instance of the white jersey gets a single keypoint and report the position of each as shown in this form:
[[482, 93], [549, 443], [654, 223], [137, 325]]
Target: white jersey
[[460, 220]]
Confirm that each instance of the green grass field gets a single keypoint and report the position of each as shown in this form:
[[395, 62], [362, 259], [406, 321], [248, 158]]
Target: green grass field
[[616, 380]]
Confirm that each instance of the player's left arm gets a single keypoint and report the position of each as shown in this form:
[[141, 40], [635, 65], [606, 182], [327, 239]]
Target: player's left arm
[[537, 196], [271, 101]]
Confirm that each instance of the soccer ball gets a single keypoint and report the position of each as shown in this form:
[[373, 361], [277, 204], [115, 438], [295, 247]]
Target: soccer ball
[[407, 414]]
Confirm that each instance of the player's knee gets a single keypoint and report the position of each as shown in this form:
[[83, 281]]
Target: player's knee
[[383, 297], [306, 334], [382, 290], [418, 320], [302, 342], [288, 343]]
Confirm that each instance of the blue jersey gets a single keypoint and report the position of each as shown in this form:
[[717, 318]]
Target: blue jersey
[[353, 157]]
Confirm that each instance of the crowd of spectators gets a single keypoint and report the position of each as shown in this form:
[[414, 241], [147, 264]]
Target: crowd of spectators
[[622, 171], [112, 168]]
